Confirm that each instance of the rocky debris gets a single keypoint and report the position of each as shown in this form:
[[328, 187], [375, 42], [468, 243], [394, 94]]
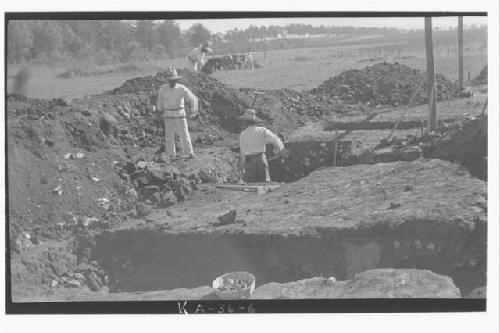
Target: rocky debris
[[35, 108], [84, 274], [158, 184], [142, 209], [378, 283], [383, 84], [482, 77], [228, 217]]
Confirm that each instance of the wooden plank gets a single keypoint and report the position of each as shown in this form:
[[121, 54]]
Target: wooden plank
[[259, 189], [461, 53], [431, 77]]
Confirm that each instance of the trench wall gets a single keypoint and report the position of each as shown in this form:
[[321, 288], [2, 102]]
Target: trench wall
[[141, 260]]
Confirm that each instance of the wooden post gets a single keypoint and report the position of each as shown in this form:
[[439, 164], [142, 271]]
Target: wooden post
[[335, 147], [461, 53], [431, 77], [485, 105]]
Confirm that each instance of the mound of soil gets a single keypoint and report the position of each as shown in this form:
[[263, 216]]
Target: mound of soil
[[383, 84], [219, 104], [482, 78]]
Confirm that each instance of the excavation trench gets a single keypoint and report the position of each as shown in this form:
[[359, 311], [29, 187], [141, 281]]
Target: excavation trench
[[144, 260], [325, 148]]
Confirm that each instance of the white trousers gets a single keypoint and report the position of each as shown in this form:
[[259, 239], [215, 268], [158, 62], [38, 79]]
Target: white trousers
[[177, 126], [194, 66]]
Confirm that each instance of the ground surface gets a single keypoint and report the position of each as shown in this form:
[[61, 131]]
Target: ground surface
[[344, 198]]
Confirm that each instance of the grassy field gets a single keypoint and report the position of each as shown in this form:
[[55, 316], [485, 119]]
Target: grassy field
[[303, 69], [297, 69]]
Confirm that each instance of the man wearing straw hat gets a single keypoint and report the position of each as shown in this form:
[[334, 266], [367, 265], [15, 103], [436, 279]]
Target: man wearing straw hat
[[197, 56], [253, 140], [171, 101]]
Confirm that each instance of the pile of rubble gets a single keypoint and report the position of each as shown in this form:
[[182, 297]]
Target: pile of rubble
[[383, 84], [156, 184], [34, 108]]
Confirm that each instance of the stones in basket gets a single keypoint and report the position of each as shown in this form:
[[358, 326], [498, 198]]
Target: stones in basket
[[235, 285]]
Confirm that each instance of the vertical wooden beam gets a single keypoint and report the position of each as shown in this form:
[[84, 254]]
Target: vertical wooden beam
[[431, 77], [335, 148], [461, 52]]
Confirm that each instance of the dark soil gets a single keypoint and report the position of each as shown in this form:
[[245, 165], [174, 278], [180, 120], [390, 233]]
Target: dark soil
[[383, 84]]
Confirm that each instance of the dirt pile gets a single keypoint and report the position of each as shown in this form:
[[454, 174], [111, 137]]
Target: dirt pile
[[482, 78], [383, 84], [219, 104]]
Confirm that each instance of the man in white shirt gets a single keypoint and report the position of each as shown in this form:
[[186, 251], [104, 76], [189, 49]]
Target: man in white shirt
[[253, 140], [249, 61], [171, 101], [197, 56]]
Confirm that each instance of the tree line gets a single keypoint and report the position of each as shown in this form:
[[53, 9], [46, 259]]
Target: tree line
[[99, 40], [102, 41]]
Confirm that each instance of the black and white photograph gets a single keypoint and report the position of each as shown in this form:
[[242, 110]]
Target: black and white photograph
[[220, 163]]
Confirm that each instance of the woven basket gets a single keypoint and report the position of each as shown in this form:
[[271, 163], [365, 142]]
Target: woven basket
[[219, 282]]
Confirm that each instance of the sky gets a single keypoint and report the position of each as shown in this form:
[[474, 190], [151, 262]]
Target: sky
[[222, 25]]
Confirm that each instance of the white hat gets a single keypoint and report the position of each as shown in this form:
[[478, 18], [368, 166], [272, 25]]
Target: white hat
[[172, 74], [250, 115]]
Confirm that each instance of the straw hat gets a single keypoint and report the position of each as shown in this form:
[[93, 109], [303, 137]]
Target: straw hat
[[172, 74], [250, 115]]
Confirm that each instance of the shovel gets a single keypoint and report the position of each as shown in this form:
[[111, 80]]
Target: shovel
[[257, 93], [284, 153]]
